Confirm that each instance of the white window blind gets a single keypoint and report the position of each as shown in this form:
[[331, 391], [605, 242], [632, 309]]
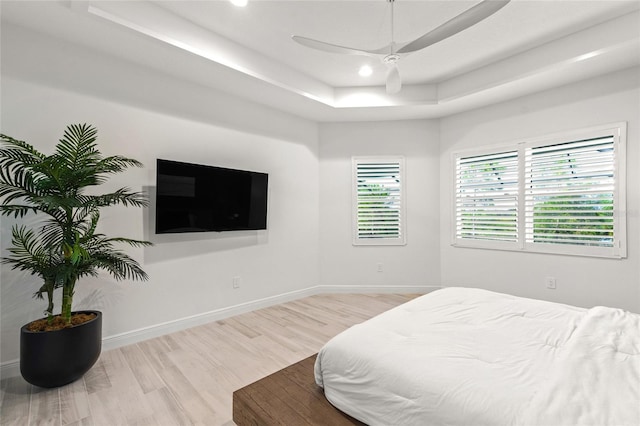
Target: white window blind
[[563, 194], [378, 201], [570, 193], [487, 197]]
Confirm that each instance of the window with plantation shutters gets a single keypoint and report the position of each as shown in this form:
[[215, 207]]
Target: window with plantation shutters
[[378, 201], [570, 193], [561, 194], [487, 197]]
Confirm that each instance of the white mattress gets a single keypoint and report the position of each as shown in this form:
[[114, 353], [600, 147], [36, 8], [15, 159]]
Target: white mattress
[[461, 356]]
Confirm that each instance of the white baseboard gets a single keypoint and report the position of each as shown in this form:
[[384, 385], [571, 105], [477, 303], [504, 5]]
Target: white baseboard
[[12, 368], [157, 330], [411, 289]]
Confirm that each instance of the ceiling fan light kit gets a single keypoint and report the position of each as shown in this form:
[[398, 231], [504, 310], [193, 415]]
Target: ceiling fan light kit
[[391, 53], [394, 82]]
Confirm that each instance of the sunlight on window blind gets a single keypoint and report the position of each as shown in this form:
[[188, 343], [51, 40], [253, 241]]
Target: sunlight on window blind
[[487, 197], [378, 192], [569, 193]]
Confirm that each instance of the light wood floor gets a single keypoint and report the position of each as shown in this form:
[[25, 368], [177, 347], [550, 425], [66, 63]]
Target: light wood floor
[[189, 377]]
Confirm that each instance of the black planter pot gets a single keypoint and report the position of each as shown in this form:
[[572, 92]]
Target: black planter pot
[[55, 358]]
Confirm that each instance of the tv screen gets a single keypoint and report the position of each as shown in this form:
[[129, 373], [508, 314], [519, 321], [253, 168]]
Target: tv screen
[[199, 198]]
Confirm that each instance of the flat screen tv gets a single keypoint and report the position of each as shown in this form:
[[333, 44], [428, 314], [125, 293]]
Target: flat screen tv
[[199, 198]]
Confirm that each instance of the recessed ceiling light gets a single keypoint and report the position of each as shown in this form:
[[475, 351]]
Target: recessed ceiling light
[[239, 3], [365, 71]]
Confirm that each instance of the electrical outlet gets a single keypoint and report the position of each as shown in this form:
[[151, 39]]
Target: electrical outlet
[[380, 267], [551, 282], [236, 282]]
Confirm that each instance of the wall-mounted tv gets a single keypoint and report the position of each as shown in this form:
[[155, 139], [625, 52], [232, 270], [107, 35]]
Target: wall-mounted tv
[[199, 198]]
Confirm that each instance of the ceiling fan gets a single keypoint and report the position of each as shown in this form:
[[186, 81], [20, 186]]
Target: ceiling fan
[[392, 52]]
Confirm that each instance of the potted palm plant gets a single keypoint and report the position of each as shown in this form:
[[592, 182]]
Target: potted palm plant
[[65, 246]]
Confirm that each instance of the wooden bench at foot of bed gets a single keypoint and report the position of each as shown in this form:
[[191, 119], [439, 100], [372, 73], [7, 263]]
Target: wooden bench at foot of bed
[[287, 397]]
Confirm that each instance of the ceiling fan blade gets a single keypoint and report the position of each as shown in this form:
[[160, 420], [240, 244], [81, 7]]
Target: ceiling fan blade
[[331, 48], [394, 82], [453, 26]]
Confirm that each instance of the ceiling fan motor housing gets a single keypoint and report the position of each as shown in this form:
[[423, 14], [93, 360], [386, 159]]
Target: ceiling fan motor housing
[[391, 59]]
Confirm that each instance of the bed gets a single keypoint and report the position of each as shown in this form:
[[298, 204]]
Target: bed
[[462, 356]]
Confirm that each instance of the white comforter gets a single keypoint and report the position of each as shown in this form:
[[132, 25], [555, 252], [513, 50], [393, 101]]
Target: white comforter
[[462, 356]]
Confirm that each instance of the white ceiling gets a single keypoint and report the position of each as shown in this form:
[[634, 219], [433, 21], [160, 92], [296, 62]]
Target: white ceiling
[[266, 26], [525, 47]]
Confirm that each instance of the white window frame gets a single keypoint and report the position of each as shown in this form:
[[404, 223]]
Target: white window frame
[[357, 240], [619, 249]]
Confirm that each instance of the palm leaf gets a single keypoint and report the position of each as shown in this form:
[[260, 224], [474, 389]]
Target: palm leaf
[[129, 241], [17, 210], [16, 151], [30, 253], [51, 235], [78, 146], [116, 164], [123, 196], [16, 183], [120, 266]]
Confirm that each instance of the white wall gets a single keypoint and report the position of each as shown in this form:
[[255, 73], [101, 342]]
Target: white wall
[[581, 281], [190, 274], [416, 263]]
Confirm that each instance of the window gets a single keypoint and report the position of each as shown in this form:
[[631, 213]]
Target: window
[[560, 194], [378, 201], [487, 197]]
